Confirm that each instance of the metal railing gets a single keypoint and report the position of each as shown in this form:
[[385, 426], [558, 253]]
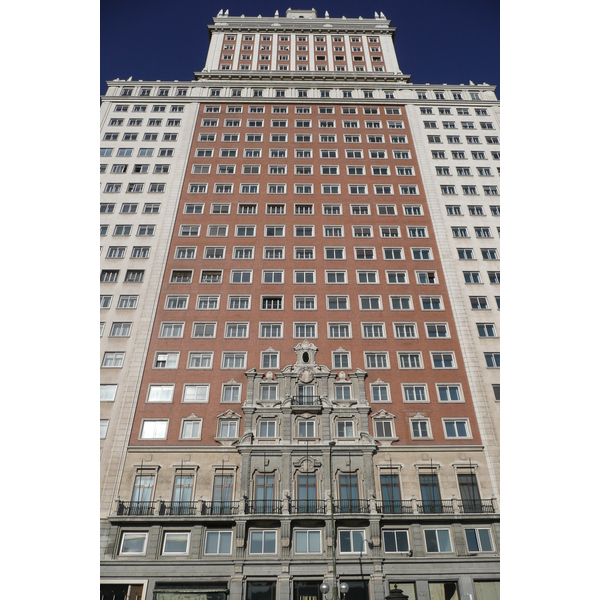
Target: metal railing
[[351, 506], [264, 507], [394, 507], [435, 506], [135, 508], [306, 401], [307, 506], [177, 508], [476, 506], [220, 507]]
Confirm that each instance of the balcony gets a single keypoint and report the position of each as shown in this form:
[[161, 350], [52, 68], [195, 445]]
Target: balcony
[[476, 506], [135, 508], [177, 508], [307, 401], [264, 507], [435, 507], [217, 507], [351, 506], [395, 507], [307, 506]]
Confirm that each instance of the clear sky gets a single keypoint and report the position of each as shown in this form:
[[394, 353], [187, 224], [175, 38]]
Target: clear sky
[[437, 41]]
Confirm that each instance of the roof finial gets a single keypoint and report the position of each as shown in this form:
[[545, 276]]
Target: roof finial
[[227, 13], [276, 13], [220, 13], [382, 15], [376, 15]]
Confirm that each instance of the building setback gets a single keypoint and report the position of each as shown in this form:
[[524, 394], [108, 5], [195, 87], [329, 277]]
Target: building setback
[[299, 324]]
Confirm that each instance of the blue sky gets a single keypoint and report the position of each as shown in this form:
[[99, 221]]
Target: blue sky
[[437, 41]]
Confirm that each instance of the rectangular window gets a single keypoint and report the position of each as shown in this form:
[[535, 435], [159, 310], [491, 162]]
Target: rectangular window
[[352, 541], [207, 302], [263, 542], [200, 360], [234, 360], [405, 330], [376, 360], [456, 428], [409, 360], [414, 392]]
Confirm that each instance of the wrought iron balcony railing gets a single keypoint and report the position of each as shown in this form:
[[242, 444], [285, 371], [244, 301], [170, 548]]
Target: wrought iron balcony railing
[[351, 506], [220, 507], [394, 507], [264, 507], [178, 508], [135, 508], [307, 506], [435, 506], [306, 401], [476, 506]]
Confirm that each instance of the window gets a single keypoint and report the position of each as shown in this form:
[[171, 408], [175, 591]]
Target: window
[[337, 303], [431, 303], [443, 360], [341, 360], [305, 330], [426, 277], [364, 253], [383, 428], [420, 428], [472, 277], [227, 428], [134, 276], [336, 277], [218, 542], [269, 360], [176, 542], [133, 542], [335, 253], [417, 232], [217, 231], [352, 541], [120, 330], [271, 303], [479, 540], [171, 330], [207, 302], [339, 330], [200, 360], [305, 303], [479, 302], [395, 540], [236, 330], [438, 540], [234, 360], [263, 542], [270, 330], [116, 252], [146, 230], [303, 253], [108, 392], [160, 393], [187, 252], [483, 232], [376, 360], [195, 393], [456, 428], [401, 302], [108, 276], [204, 330], [405, 330], [409, 360], [304, 276], [394, 277], [492, 360], [127, 302], [241, 276]]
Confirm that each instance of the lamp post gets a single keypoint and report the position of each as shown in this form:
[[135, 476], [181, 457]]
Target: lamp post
[[333, 534], [344, 588]]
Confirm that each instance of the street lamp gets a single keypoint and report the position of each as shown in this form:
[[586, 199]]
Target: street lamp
[[344, 588], [333, 533]]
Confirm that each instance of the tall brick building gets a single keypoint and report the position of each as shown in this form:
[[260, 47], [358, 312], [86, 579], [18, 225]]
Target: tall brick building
[[299, 323]]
